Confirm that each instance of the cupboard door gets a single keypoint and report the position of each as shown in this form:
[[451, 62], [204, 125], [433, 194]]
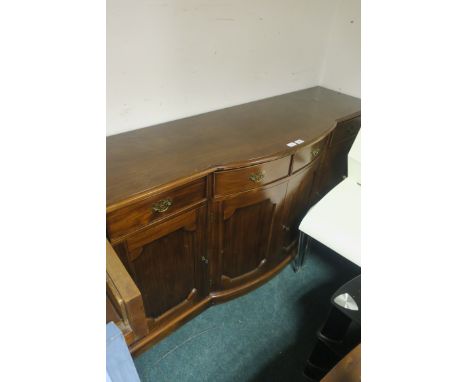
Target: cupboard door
[[248, 230], [346, 130], [299, 199], [335, 167], [167, 262]]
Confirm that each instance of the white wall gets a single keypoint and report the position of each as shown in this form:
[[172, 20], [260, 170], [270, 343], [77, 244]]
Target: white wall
[[175, 58], [342, 61]]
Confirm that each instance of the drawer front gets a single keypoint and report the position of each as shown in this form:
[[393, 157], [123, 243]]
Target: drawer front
[[231, 181], [308, 154], [346, 130], [135, 216]]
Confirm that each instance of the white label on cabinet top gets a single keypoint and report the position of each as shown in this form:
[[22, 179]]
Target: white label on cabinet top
[[291, 144], [299, 141]]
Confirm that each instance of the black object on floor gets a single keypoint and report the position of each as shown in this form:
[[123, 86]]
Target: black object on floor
[[337, 337]]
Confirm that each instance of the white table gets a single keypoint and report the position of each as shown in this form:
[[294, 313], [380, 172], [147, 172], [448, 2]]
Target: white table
[[335, 221]]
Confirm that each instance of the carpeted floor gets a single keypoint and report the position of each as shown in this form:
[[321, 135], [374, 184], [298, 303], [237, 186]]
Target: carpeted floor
[[265, 335]]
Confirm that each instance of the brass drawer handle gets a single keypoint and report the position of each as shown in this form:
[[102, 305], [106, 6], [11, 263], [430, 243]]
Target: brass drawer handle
[[257, 177], [162, 205], [315, 152]]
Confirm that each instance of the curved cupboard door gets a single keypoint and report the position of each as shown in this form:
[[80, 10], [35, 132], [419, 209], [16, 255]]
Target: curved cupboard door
[[336, 166], [167, 262], [249, 226], [299, 198]]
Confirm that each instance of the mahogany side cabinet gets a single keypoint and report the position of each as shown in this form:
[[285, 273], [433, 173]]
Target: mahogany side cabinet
[[204, 209]]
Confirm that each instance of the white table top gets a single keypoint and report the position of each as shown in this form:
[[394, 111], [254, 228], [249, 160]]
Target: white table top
[[335, 221]]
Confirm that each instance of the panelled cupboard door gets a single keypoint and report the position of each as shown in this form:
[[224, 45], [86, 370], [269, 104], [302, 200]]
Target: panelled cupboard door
[[249, 226], [336, 162], [166, 262], [335, 166], [299, 198]]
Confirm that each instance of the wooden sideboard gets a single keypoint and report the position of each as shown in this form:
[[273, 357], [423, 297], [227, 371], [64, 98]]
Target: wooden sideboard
[[206, 208]]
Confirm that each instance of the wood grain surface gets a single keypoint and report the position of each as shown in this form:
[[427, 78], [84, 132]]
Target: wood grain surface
[[144, 160]]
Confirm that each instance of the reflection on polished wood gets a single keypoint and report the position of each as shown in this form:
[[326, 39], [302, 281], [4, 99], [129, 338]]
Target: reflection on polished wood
[[204, 209]]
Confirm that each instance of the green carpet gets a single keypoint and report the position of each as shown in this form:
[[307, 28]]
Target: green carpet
[[265, 335]]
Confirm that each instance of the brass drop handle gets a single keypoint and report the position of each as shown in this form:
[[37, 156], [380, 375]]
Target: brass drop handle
[[257, 177], [162, 206], [315, 152]]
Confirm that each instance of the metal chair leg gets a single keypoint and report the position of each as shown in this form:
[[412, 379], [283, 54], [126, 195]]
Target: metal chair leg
[[302, 248]]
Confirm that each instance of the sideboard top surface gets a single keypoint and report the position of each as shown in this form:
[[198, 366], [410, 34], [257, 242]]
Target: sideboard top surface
[[144, 159]]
